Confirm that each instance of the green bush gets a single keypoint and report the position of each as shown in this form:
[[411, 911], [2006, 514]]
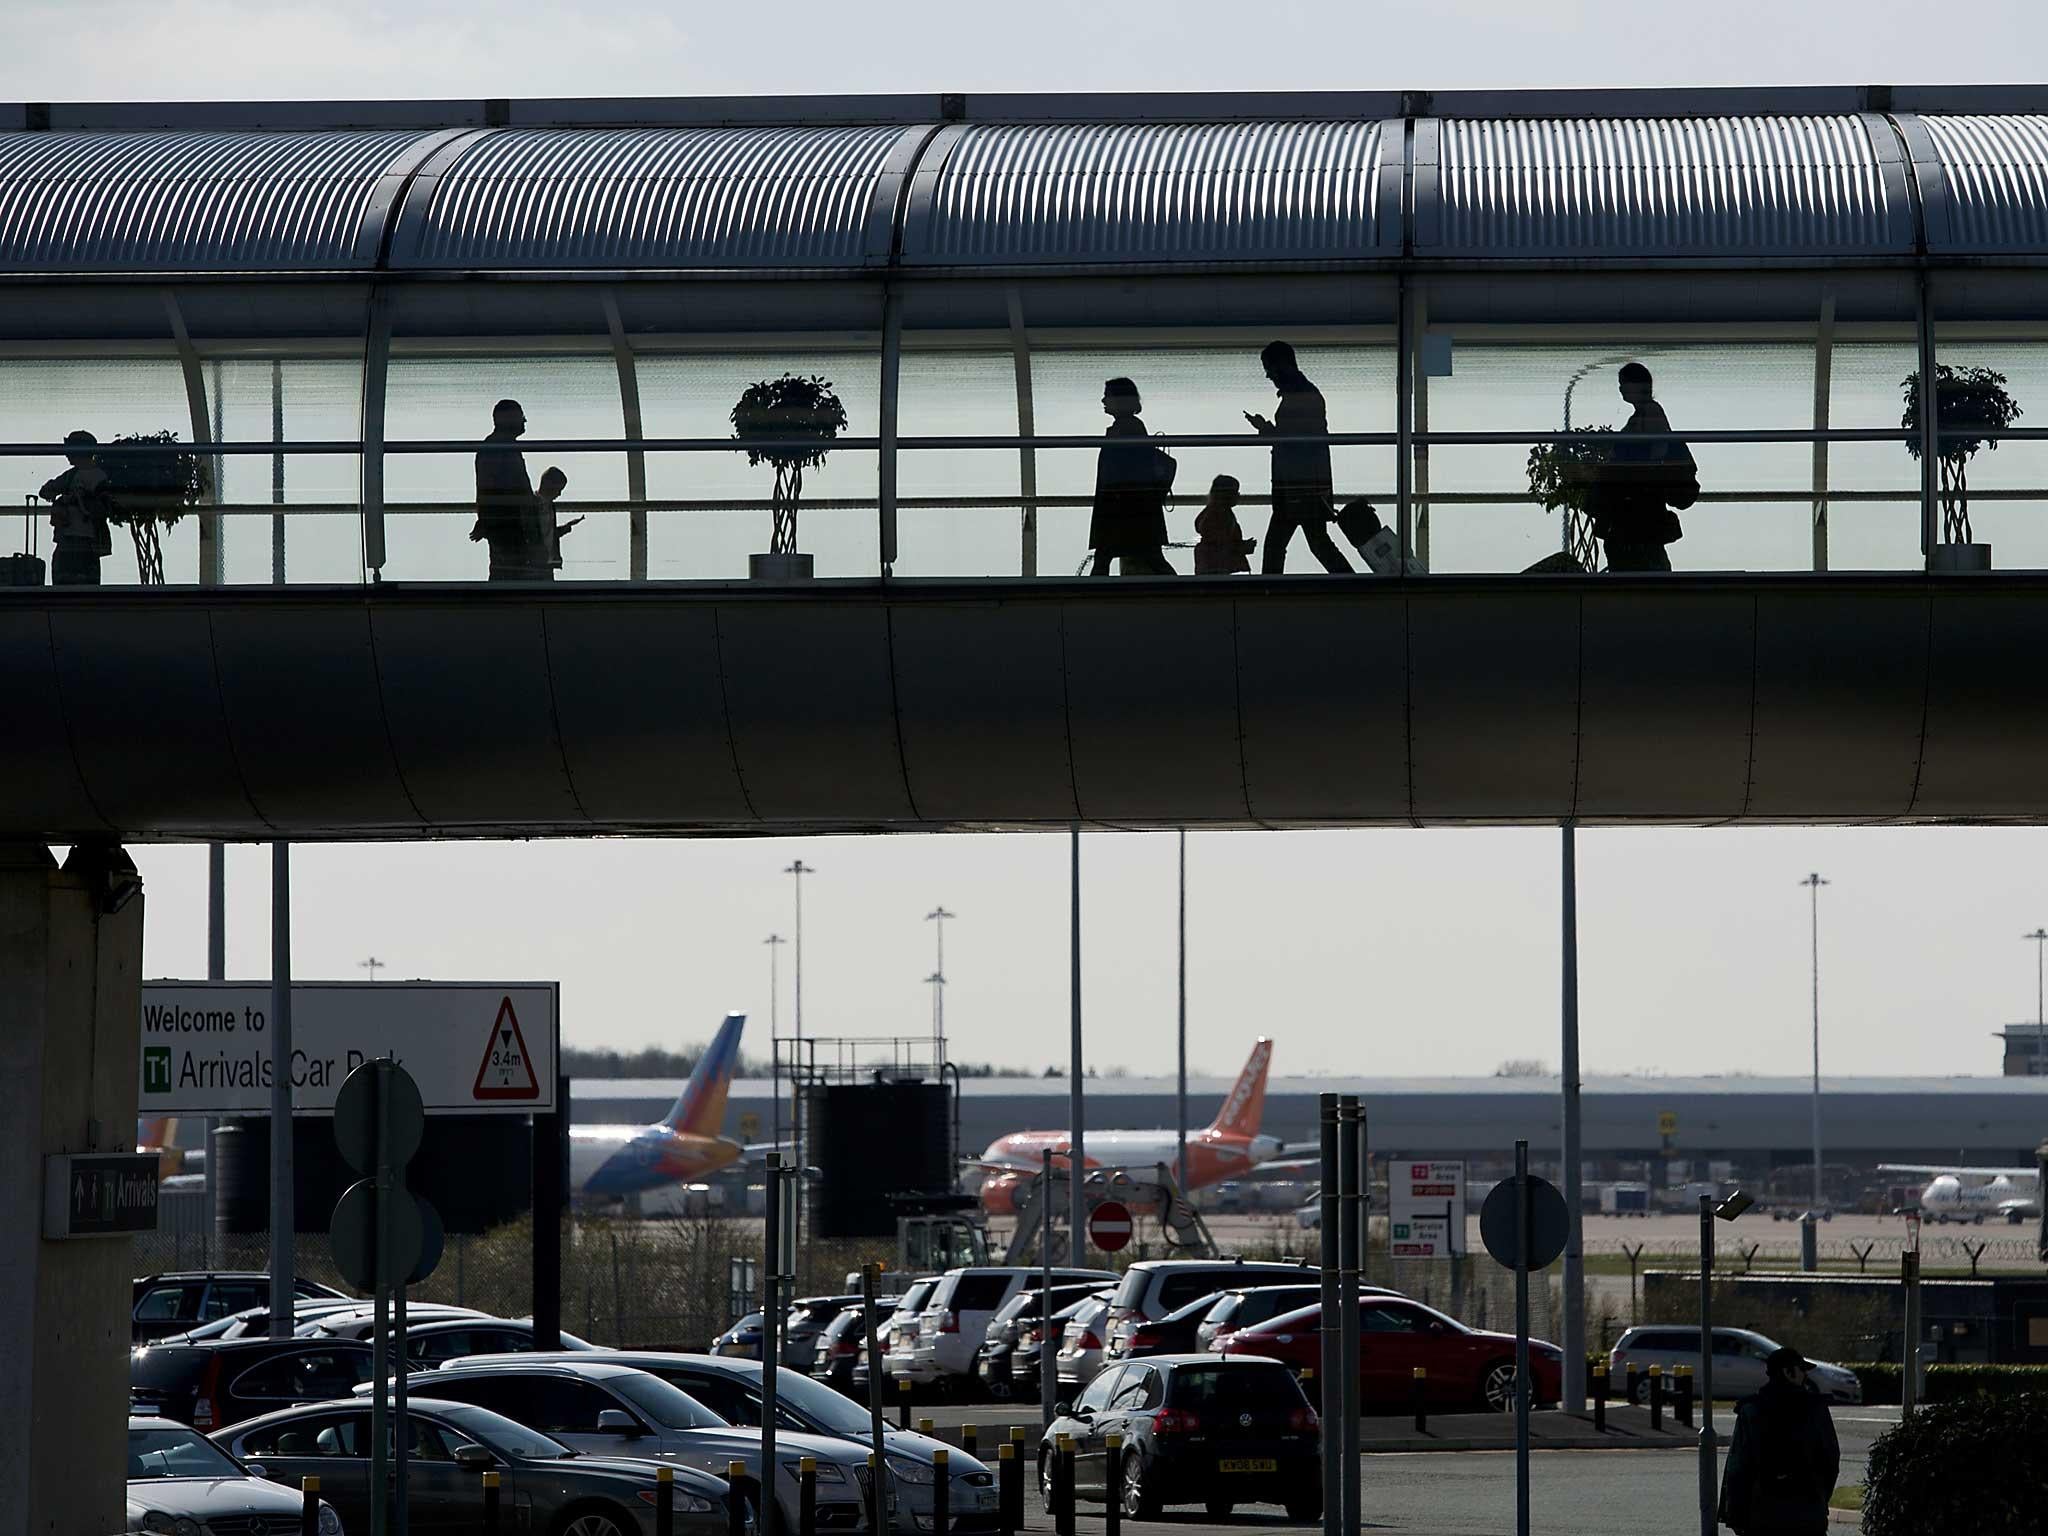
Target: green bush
[[1954, 1383], [1976, 1467]]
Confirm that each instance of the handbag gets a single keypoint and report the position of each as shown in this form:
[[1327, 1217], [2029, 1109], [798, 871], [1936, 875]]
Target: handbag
[[1164, 468]]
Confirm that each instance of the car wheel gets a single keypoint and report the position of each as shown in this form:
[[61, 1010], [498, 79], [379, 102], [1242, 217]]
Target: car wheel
[[1045, 1482], [1135, 1499], [1497, 1387], [1218, 1509], [592, 1521]]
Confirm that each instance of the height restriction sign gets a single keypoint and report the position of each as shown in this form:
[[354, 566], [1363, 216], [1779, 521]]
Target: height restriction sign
[[506, 1071]]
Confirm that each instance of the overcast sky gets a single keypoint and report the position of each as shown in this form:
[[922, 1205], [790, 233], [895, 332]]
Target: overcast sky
[[1382, 952]]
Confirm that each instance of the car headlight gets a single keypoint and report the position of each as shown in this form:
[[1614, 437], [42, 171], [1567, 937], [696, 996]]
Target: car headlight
[[685, 1503], [828, 1472], [908, 1469], [330, 1522], [180, 1526]]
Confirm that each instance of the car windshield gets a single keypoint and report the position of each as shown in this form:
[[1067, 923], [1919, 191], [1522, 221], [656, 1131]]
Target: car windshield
[[1232, 1387], [915, 1298], [751, 1323], [831, 1411], [176, 1453], [1198, 1308], [496, 1432], [669, 1406]]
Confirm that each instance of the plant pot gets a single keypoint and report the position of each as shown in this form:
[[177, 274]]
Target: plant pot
[[1960, 557], [779, 569]]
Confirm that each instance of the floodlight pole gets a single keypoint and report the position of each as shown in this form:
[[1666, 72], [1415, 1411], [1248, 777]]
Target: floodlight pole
[[1574, 1198], [1813, 883], [1709, 1456]]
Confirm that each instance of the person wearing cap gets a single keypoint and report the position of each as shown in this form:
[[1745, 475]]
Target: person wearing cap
[[1784, 1459], [79, 509]]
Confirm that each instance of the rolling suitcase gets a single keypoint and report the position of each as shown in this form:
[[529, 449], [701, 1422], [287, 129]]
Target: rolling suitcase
[[25, 569]]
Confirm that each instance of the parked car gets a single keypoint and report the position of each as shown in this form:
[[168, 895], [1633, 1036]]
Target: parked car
[[182, 1299], [1080, 1356], [1152, 1288], [955, 1319], [842, 1345], [1196, 1430], [1177, 1333], [219, 1382], [1739, 1355], [589, 1403], [256, 1321], [807, 1318], [442, 1339], [742, 1340], [1249, 1306], [897, 1338], [732, 1390], [1467, 1368], [1031, 1348], [179, 1481], [993, 1363], [359, 1320], [449, 1448]]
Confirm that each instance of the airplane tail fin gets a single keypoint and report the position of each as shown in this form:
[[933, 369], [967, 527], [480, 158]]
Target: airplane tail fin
[[156, 1131], [701, 1108], [1246, 1106]]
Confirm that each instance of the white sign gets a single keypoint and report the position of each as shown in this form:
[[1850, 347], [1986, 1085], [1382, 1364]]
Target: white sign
[[473, 1047], [1420, 1193]]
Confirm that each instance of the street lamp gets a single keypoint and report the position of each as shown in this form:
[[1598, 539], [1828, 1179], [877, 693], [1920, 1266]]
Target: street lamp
[[2040, 938], [775, 941], [373, 965], [1710, 1212], [1813, 883], [798, 869], [938, 916]]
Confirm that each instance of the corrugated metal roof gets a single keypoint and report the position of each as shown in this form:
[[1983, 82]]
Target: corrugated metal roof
[[193, 201], [1648, 187], [746, 198], [1123, 192], [1994, 174]]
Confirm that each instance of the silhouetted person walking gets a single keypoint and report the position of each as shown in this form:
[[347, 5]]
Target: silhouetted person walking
[[1132, 479], [1641, 481], [1221, 548], [79, 509], [1785, 1458], [1302, 485], [518, 525]]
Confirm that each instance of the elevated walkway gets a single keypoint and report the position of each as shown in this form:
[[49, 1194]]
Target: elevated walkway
[[389, 713]]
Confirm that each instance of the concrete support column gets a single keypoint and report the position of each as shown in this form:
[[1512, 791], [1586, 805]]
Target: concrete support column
[[70, 1002]]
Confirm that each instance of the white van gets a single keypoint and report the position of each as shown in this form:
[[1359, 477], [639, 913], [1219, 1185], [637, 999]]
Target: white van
[[956, 1317]]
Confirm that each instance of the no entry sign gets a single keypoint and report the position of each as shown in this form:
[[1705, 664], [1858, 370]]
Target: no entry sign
[[1110, 1227]]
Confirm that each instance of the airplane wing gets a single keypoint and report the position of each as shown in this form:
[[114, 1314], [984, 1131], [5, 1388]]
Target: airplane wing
[[1959, 1172]]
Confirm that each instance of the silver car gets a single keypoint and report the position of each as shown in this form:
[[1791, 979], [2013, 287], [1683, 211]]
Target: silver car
[[1739, 1355], [1081, 1352], [595, 1406], [180, 1484], [732, 1390]]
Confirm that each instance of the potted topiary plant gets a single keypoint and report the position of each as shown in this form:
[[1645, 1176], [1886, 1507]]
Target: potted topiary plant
[[1973, 401], [150, 492], [1561, 477], [789, 423]]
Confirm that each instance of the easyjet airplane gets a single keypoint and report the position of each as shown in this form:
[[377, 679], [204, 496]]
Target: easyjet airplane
[[609, 1162], [1229, 1146]]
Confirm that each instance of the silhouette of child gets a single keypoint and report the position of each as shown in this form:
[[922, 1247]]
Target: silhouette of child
[[1221, 547]]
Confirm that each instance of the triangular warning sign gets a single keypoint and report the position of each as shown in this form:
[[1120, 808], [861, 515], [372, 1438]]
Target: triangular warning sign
[[506, 1072]]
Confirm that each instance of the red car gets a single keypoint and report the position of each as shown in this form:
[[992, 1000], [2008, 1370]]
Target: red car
[[1467, 1368]]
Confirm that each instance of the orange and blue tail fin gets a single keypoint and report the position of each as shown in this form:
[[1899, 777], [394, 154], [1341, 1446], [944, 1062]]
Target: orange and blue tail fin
[[701, 1109], [1246, 1106]]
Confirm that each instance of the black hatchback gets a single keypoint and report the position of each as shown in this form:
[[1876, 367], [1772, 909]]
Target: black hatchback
[[217, 1382], [1197, 1429]]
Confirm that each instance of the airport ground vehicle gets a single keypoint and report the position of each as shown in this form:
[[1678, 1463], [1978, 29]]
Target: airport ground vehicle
[[1467, 1368], [955, 1319], [732, 1390], [591, 1404], [180, 1300], [545, 1486], [1151, 1288], [1196, 1430], [1080, 1356], [995, 1360], [808, 1318], [219, 1382], [178, 1480], [1739, 1355]]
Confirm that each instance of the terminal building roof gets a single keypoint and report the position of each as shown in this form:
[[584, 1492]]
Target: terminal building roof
[[978, 183]]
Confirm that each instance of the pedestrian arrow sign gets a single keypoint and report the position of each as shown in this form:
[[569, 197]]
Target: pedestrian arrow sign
[[506, 1071]]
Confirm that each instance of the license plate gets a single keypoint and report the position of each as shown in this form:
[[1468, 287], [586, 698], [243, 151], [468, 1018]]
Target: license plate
[[983, 1498], [1248, 1464]]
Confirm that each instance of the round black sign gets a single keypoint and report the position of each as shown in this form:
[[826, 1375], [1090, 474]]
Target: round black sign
[[1548, 1222]]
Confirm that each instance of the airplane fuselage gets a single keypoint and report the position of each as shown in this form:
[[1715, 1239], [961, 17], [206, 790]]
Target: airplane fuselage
[[1213, 1156], [609, 1162], [1948, 1198]]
